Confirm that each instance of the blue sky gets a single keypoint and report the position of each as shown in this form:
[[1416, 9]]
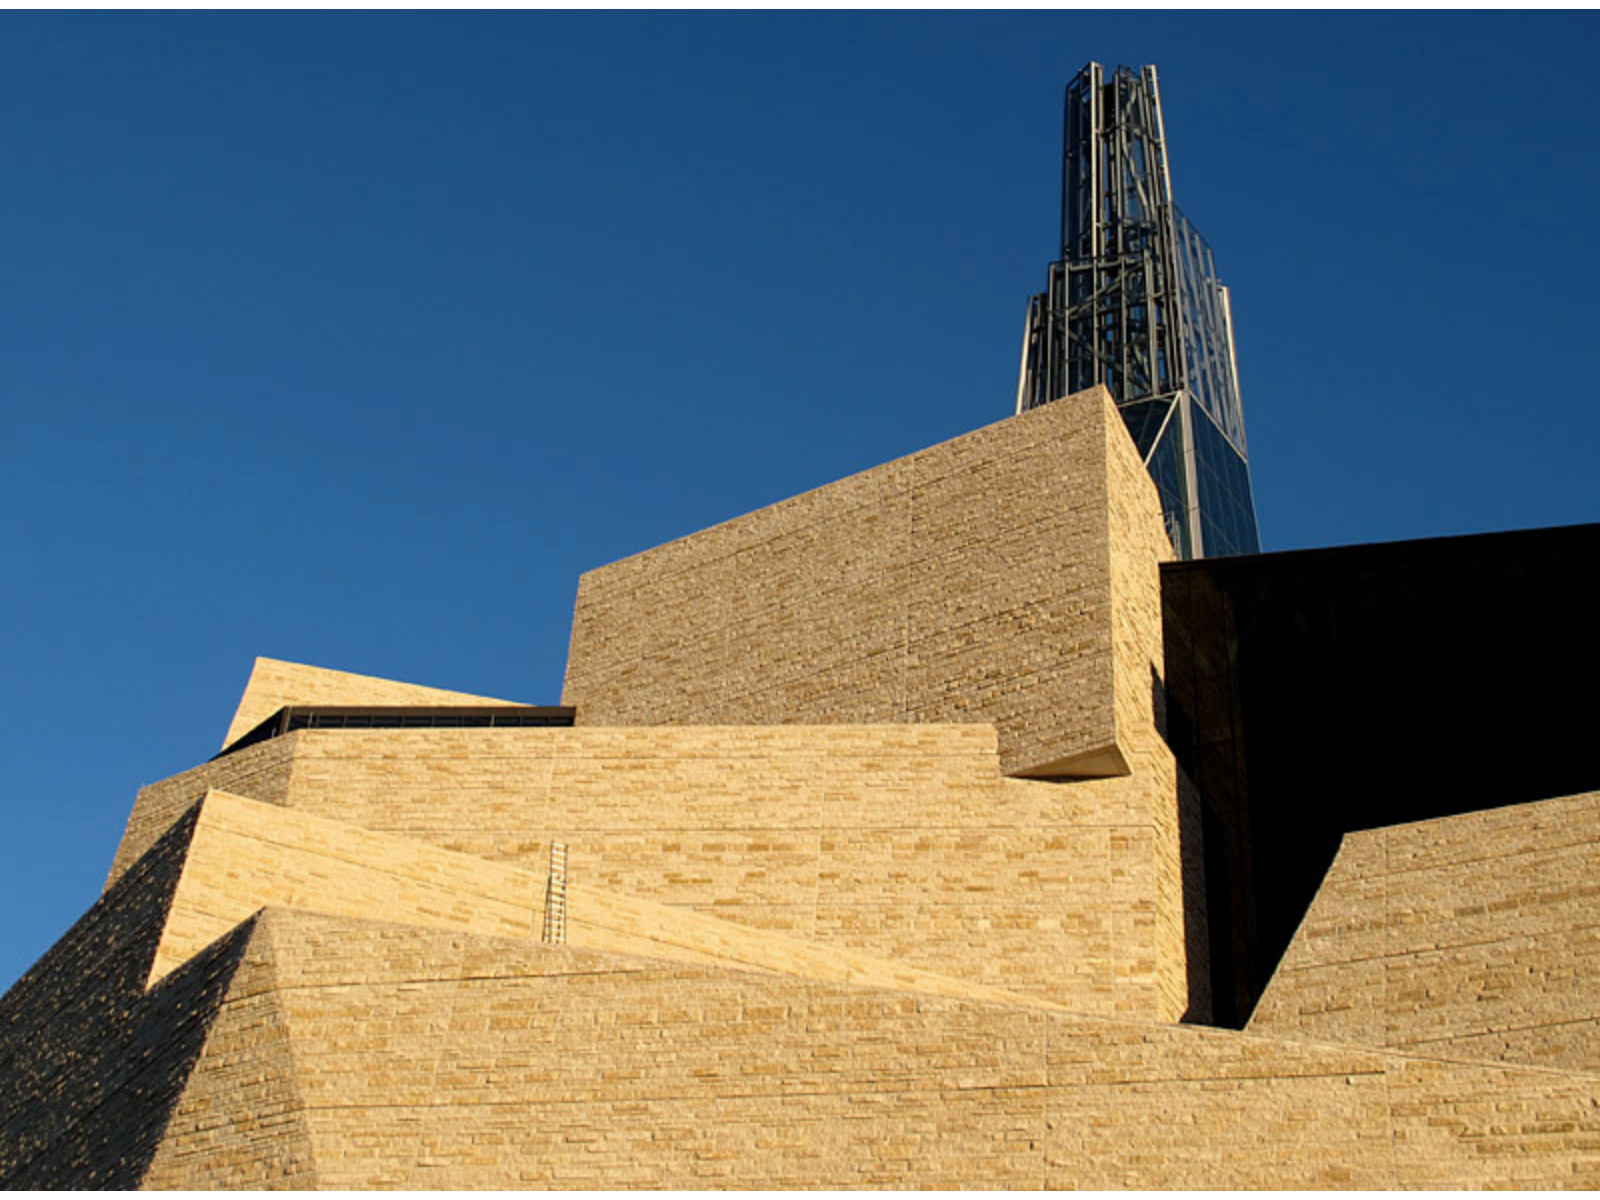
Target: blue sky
[[353, 339]]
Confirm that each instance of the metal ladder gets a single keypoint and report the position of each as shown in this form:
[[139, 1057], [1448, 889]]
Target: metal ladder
[[555, 898]]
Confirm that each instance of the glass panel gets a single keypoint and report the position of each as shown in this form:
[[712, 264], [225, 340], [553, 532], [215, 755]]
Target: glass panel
[[1166, 468], [1144, 419], [1227, 509], [1209, 368]]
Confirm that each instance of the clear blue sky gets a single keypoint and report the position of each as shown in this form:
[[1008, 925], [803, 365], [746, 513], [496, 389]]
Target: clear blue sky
[[353, 339]]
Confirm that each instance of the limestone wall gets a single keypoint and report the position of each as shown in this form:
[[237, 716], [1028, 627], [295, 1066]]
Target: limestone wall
[[867, 935], [500, 1065], [239, 1122], [968, 582], [1476, 935], [92, 1065], [897, 841], [260, 772], [244, 856], [1137, 545], [359, 1054], [312, 1047]]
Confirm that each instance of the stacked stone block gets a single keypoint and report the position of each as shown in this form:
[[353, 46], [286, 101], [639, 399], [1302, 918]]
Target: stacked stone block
[[972, 581], [899, 841]]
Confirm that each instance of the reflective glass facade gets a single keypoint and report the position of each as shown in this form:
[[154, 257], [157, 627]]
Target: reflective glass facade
[[1134, 303]]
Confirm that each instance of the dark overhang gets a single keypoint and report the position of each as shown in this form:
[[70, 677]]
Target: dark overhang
[[487, 716]]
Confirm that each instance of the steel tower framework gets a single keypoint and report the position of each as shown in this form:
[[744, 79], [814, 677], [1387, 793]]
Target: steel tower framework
[[1134, 303]]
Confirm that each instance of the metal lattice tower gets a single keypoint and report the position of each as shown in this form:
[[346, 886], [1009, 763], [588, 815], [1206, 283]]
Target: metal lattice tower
[[1134, 303]]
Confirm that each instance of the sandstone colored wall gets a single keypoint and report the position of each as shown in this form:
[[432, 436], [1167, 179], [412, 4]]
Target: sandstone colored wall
[[274, 684], [244, 856], [898, 841], [804, 955], [239, 1122], [92, 1065], [1176, 901], [303, 1047], [1475, 936], [317, 1050], [431, 1060], [971, 581], [260, 772]]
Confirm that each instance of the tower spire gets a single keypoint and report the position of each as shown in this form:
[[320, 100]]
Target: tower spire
[[1134, 303]]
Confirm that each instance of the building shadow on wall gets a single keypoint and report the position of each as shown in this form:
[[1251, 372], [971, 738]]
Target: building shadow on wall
[[1313, 693], [91, 1064], [1191, 852]]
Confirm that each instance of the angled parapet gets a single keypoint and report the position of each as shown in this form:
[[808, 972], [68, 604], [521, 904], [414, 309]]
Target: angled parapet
[[1009, 577], [894, 841], [275, 684], [246, 856], [1474, 936], [262, 771], [611, 921], [900, 841], [243, 857]]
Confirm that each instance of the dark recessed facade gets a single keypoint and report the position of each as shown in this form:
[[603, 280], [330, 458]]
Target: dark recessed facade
[[1317, 692]]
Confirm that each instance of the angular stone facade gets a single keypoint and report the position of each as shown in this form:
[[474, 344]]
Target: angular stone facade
[[866, 865], [1009, 577], [1470, 936]]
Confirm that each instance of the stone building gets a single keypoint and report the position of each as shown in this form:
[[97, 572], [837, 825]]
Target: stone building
[[923, 830]]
